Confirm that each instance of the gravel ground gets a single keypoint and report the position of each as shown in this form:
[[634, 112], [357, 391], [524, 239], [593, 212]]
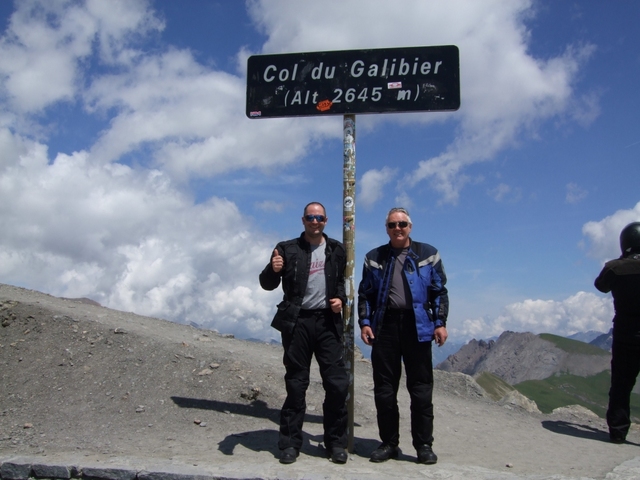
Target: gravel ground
[[85, 384]]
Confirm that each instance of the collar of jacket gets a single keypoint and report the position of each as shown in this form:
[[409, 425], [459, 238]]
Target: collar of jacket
[[410, 252], [307, 246]]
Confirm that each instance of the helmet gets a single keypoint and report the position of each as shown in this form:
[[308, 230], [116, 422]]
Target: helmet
[[630, 237]]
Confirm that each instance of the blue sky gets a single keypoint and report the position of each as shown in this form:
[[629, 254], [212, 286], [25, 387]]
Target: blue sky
[[130, 174]]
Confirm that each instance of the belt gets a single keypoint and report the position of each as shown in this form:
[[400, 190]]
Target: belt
[[313, 312], [397, 313]]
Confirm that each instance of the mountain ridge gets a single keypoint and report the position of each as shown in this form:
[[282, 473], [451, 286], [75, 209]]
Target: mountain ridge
[[516, 357]]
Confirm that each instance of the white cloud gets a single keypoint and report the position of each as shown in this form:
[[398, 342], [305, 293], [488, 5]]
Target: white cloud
[[131, 241], [120, 23], [504, 192], [372, 185], [579, 313], [403, 199], [42, 49], [193, 120], [163, 102], [575, 194], [604, 236], [270, 206], [506, 92], [82, 224]]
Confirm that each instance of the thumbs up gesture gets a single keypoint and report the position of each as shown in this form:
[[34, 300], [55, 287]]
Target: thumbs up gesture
[[277, 262]]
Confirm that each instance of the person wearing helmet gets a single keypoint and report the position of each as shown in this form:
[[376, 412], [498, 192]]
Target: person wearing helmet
[[621, 277]]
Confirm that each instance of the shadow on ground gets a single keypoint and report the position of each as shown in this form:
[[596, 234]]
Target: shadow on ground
[[578, 430], [267, 441], [256, 408]]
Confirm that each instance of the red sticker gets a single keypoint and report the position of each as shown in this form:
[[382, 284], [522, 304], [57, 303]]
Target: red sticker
[[324, 105]]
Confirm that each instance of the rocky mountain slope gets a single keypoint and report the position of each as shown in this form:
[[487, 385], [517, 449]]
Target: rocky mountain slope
[[516, 357], [603, 341]]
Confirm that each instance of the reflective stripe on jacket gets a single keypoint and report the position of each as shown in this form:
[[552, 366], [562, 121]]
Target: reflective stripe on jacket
[[425, 277]]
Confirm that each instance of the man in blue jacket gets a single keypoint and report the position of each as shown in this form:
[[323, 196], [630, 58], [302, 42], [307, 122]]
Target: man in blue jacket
[[311, 269], [402, 307]]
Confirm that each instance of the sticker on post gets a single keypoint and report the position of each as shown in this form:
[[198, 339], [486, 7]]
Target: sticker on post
[[348, 203]]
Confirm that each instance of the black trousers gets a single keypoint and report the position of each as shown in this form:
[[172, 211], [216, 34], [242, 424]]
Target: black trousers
[[397, 341], [316, 334], [625, 366]]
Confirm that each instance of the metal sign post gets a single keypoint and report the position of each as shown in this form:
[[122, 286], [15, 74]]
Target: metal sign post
[[348, 238], [411, 79]]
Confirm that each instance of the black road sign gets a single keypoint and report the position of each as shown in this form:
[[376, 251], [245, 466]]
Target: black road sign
[[354, 81]]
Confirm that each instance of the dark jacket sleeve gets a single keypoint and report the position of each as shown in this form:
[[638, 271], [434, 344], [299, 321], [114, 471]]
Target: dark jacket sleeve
[[604, 281], [364, 306], [439, 296], [270, 280]]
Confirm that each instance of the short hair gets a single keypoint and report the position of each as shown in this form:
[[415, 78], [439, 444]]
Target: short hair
[[304, 212], [398, 210]]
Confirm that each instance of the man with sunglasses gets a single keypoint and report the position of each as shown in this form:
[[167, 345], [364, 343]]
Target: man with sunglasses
[[402, 307], [309, 318]]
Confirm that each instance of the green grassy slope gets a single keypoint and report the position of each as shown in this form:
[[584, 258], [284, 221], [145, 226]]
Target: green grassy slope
[[573, 346], [563, 389], [495, 387]]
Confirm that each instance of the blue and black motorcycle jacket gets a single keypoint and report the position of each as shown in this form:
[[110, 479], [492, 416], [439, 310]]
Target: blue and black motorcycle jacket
[[425, 276]]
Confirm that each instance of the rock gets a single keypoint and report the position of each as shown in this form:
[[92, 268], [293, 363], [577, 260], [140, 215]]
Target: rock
[[252, 394], [516, 399], [577, 411]]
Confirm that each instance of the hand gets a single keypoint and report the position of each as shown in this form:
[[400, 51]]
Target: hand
[[440, 335], [366, 334], [336, 305], [277, 262]]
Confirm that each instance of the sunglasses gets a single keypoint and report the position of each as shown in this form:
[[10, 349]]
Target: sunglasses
[[392, 225], [317, 218]]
